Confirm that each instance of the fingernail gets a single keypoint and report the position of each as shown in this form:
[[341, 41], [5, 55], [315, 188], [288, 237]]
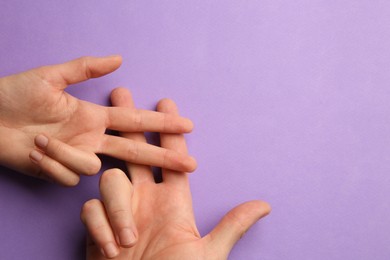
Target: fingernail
[[110, 250], [41, 141], [127, 237], [36, 156]]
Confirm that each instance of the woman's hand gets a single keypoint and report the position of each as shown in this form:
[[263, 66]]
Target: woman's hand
[[62, 134], [142, 219]]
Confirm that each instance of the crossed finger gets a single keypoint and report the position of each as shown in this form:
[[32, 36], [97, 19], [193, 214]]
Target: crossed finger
[[121, 97], [63, 163]]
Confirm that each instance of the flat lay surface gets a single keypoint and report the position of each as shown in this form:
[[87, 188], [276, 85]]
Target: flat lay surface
[[290, 101]]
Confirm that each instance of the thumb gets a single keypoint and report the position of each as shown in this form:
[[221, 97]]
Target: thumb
[[79, 70], [234, 225]]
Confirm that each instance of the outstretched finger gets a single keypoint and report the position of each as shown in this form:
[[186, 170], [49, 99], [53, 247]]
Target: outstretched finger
[[138, 120], [53, 169], [116, 191], [80, 69], [94, 217], [78, 161], [121, 97], [234, 225], [146, 154], [174, 142]]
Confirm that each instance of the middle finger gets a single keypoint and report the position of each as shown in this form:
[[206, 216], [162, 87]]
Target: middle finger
[[146, 154]]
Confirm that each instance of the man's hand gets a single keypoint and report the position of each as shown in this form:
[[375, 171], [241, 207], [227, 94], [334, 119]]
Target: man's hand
[[61, 134], [144, 220]]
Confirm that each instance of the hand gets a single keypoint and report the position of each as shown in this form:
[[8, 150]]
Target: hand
[[61, 133], [144, 220]]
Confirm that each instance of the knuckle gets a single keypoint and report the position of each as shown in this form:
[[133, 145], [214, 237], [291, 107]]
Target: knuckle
[[163, 104], [165, 122], [166, 159], [41, 72], [98, 229], [84, 66], [56, 148], [132, 151], [237, 223], [120, 217], [119, 212], [137, 120]]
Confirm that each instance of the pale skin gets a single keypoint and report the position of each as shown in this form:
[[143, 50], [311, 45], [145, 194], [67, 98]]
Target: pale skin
[[52, 135], [140, 219]]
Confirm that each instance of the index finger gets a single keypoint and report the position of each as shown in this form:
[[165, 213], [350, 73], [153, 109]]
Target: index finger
[[138, 120]]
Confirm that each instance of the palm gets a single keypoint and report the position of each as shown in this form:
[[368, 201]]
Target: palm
[[161, 213], [165, 222], [47, 109], [78, 123]]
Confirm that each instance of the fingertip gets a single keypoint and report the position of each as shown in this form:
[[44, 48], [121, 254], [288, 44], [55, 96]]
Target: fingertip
[[99, 66], [76, 160], [53, 170], [118, 92], [114, 172], [94, 166], [121, 97], [192, 164], [180, 162], [167, 105], [110, 174], [267, 208], [70, 181], [258, 208], [36, 156], [41, 141], [116, 57], [87, 208], [93, 215], [114, 181], [189, 125]]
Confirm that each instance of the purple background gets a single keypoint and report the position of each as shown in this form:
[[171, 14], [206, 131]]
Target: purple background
[[290, 101]]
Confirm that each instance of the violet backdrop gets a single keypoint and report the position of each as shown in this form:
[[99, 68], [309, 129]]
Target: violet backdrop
[[291, 101]]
